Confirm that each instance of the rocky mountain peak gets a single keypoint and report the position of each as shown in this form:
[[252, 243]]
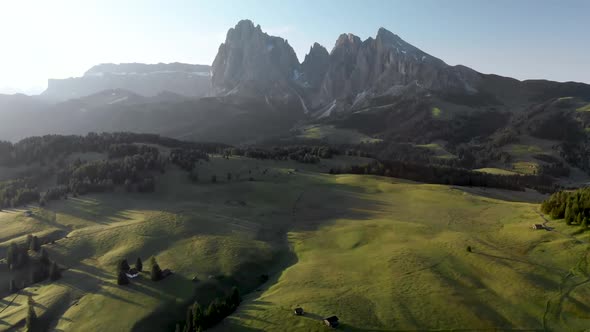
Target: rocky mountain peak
[[251, 61], [347, 41], [315, 65]]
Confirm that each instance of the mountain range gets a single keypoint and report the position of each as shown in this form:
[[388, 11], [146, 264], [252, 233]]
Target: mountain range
[[381, 89], [148, 80]]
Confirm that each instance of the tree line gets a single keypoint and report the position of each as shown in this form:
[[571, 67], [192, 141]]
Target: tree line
[[199, 319], [450, 176], [53, 147], [300, 153], [40, 266], [572, 206], [18, 192]]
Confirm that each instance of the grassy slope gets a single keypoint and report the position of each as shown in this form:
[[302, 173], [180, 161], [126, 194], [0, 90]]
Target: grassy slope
[[330, 134], [236, 230], [397, 260], [497, 171], [377, 252], [438, 150]]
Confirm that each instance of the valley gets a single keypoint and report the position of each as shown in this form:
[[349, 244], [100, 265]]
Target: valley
[[286, 186], [380, 253]]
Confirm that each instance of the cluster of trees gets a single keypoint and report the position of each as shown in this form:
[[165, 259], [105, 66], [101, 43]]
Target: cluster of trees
[[156, 273], [572, 206], [126, 149], [51, 147], [40, 267], [99, 176], [198, 319], [299, 153], [17, 192], [186, 158], [123, 268], [451, 176], [577, 153]]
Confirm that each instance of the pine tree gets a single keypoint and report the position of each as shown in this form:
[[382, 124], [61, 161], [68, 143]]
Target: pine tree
[[54, 272], [124, 266], [122, 279], [156, 272], [12, 286], [22, 258], [198, 322], [189, 320], [45, 257], [31, 322], [139, 264], [29, 240], [11, 254], [35, 244], [235, 298]]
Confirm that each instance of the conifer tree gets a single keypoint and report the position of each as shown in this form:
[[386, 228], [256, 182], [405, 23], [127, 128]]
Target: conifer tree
[[31, 322], [12, 286], [235, 298], [122, 278], [198, 321], [124, 266], [156, 272], [54, 272], [11, 254], [45, 257], [35, 245], [189, 320], [138, 264]]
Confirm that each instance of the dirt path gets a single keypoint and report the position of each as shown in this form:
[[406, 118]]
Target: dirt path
[[551, 229]]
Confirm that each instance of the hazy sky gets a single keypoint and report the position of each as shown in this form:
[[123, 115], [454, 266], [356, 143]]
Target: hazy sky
[[62, 38]]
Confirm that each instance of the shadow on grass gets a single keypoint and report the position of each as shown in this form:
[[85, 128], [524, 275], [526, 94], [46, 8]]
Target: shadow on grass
[[515, 260]]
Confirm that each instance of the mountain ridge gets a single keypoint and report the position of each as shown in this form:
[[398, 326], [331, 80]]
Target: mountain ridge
[[144, 79]]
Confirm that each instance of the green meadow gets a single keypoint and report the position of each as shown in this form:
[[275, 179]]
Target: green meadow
[[382, 254]]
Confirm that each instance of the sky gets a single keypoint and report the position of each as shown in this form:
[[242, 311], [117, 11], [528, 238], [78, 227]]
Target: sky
[[525, 39]]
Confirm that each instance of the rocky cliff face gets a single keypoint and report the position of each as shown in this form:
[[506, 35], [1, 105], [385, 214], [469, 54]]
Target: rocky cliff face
[[314, 67], [250, 62], [381, 65], [143, 79]]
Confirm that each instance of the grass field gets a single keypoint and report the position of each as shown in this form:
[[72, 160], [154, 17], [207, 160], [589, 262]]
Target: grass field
[[492, 170], [333, 135], [438, 150], [380, 253], [397, 260]]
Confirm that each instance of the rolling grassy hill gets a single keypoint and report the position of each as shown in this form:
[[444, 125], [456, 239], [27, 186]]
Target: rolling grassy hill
[[379, 253]]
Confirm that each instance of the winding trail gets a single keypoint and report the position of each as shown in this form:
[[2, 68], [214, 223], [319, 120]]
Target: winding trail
[[551, 229], [567, 285]]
